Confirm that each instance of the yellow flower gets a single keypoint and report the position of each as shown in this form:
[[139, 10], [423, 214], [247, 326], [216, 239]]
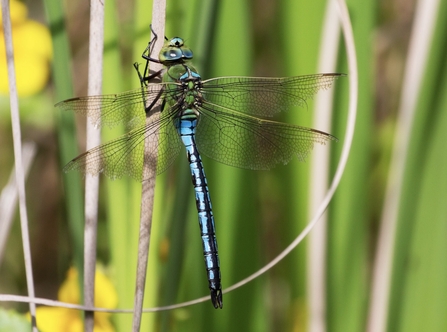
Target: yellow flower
[[68, 320], [32, 52]]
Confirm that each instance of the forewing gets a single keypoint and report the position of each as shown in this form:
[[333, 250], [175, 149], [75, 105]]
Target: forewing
[[264, 96], [122, 108]]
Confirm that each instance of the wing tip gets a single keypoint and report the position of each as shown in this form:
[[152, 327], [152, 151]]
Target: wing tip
[[336, 75]]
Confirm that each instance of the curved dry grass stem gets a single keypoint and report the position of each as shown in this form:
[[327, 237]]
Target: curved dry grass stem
[[353, 95], [158, 25]]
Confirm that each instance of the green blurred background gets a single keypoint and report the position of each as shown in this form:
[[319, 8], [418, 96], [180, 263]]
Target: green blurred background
[[257, 213]]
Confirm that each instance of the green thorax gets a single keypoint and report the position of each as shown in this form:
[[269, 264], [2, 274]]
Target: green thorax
[[176, 57]]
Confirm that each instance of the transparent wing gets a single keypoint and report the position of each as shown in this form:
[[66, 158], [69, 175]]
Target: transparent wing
[[125, 155], [264, 96], [114, 109], [244, 141], [225, 135]]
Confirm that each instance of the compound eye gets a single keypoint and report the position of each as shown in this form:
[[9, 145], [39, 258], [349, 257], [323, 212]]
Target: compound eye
[[187, 53], [172, 54]]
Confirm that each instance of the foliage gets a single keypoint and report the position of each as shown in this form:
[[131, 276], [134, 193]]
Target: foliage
[[257, 213]]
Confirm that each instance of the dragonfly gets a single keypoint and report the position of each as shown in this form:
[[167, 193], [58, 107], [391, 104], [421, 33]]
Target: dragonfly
[[227, 119]]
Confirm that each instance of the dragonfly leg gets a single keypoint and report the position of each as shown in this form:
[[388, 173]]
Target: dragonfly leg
[[147, 55], [147, 109], [143, 78]]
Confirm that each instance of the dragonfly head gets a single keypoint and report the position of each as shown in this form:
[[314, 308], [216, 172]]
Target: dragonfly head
[[174, 51]]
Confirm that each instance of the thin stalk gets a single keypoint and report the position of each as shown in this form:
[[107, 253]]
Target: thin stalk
[[316, 262], [17, 138], [148, 189], [423, 30], [9, 197], [96, 45]]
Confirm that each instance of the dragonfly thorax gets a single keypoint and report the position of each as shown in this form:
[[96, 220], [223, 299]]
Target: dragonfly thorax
[[187, 90], [191, 83]]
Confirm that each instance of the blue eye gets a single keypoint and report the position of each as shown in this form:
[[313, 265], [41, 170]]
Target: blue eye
[[187, 53], [172, 54]]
